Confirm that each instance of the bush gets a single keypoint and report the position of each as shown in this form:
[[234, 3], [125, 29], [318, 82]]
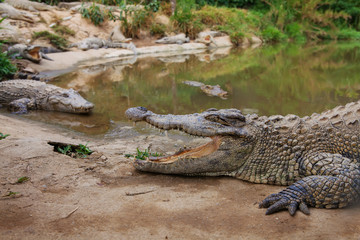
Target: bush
[[157, 29], [7, 69], [93, 13], [295, 31], [348, 34], [272, 34]]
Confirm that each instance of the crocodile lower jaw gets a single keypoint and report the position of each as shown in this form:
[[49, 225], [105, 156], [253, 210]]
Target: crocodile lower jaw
[[193, 153]]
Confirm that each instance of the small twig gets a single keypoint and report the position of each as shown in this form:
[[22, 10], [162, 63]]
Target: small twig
[[138, 193], [70, 213]]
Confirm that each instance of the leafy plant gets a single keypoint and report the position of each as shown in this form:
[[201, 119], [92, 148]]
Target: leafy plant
[[132, 19], [23, 179], [76, 151], [64, 150], [93, 13], [3, 136], [54, 39], [83, 150], [143, 155]]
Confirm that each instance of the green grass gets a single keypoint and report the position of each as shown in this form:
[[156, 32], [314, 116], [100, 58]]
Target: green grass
[[143, 155], [55, 40], [64, 30]]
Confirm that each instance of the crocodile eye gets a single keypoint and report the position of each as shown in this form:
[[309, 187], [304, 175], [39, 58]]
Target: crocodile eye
[[65, 95], [218, 119]]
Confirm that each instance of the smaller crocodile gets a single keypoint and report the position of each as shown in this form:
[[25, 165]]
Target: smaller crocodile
[[208, 89], [29, 5], [9, 11], [96, 43], [207, 37], [33, 53], [23, 95], [177, 39]]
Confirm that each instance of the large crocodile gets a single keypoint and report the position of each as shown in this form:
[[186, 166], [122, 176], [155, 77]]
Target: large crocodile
[[22, 95], [318, 157]]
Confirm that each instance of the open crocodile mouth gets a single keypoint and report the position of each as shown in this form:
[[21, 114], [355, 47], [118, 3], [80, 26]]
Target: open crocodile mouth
[[35, 53], [193, 153]]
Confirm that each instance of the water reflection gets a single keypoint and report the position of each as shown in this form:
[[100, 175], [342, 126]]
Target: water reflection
[[279, 79]]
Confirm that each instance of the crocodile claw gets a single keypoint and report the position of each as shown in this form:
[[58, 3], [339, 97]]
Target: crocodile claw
[[280, 201]]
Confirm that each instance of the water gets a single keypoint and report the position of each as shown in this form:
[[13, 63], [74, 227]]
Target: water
[[280, 79]]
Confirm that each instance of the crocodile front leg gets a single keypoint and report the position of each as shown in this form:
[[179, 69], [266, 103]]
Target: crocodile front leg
[[332, 181], [21, 106]]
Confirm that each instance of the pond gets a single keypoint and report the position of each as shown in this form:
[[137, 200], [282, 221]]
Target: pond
[[279, 79]]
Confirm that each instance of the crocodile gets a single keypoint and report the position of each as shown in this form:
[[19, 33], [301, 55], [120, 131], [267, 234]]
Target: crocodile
[[9, 11], [209, 89], [96, 43], [30, 5], [33, 53], [317, 156], [23, 95], [207, 37], [177, 39]]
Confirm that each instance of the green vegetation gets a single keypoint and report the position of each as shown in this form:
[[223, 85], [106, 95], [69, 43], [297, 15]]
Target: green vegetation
[[55, 40], [93, 13], [143, 155], [273, 20], [78, 151], [3, 136], [7, 69], [64, 30], [23, 179], [10, 194]]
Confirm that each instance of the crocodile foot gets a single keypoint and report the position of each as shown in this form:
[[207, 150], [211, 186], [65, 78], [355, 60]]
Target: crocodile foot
[[284, 200]]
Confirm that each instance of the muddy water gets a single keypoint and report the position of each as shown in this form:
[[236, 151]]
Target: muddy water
[[279, 79]]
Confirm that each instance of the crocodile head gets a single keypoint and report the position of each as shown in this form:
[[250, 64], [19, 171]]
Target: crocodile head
[[231, 142], [32, 53], [67, 100]]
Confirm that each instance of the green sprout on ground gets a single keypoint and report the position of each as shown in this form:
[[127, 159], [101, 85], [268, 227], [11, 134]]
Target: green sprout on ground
[[83, 150], [10, 193], [79, 151], [65, 150], [3, 136], [142, 155], [23, 179]]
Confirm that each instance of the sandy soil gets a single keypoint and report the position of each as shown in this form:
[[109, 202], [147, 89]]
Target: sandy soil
[[103, 197]]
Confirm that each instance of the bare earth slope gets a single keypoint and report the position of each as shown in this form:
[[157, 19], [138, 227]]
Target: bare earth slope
[[104, 197]]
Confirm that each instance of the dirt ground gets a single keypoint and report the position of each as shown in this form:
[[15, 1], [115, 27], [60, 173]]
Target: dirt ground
[[103, 197]]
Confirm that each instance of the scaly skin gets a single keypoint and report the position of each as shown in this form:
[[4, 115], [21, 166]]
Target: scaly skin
[[177, 39], [318, 157], [22, 95]]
